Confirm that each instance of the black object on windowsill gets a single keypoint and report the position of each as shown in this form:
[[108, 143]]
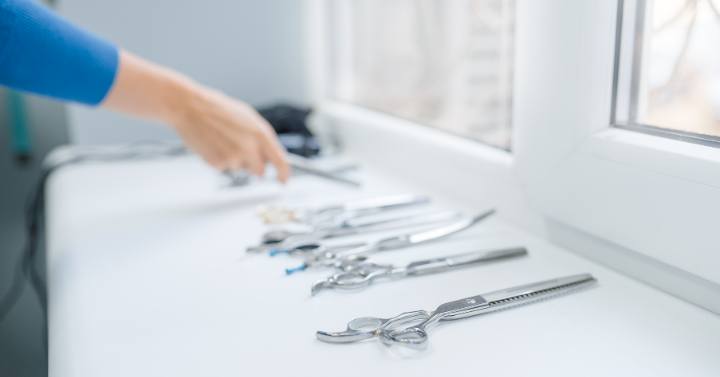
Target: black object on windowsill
[[290, 123]]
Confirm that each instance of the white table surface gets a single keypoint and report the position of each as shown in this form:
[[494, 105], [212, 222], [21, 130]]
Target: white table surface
[[147, 277]]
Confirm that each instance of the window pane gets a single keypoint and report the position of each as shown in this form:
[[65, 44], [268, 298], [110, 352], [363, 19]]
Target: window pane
[[445, 64], [675, 71]]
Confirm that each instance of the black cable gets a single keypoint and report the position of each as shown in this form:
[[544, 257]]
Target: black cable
[[16, 287], [26, 259], [26, 266]]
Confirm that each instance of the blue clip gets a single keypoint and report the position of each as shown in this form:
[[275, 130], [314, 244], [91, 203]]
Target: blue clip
[[290, 271], [274, 252]]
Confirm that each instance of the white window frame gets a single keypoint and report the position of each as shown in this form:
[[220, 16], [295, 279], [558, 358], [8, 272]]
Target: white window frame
[[651, 195]]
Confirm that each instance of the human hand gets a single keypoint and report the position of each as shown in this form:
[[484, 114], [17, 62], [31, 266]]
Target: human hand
[[228, 134]]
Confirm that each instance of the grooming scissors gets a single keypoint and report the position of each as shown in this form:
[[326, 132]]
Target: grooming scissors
[[283, 240], [364, 274], [333, 214], [343, 256], [410, 329]]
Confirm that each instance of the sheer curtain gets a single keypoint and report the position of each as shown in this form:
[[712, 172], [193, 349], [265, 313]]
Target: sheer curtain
[[445, 64]]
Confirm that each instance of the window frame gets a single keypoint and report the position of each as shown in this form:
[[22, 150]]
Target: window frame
[[628, 65], [570, 163], [617, 184]]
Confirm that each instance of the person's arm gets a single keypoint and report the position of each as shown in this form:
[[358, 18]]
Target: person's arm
[[42, 53], [229, 134]]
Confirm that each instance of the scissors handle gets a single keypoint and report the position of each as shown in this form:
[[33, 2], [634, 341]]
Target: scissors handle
[[415, 337], [363, 328]]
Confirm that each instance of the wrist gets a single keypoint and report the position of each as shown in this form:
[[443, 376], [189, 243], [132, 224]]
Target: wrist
[[181, 98]]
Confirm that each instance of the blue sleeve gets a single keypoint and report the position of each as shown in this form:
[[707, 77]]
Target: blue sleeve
[[44, 54]]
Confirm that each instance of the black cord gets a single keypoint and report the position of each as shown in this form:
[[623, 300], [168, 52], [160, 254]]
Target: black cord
[[26, 266]]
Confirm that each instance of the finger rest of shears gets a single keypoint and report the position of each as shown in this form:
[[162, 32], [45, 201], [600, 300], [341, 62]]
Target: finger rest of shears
[[319, 286], [346, 280], [358, 329], [347, 336]]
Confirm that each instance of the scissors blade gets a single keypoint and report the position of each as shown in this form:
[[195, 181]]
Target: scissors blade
[[435, 265], [447, 230], [526, 294], [506, 298], [320, 285]]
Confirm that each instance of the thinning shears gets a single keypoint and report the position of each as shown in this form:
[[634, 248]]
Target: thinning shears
[[411, 328]]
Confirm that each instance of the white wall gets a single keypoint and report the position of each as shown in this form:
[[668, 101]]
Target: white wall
[[252, 50]]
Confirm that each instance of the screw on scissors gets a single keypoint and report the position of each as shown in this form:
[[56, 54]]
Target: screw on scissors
[[364, 274], [413, 333], [330, 257]]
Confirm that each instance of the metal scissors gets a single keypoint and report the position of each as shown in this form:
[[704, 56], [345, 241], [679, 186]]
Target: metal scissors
[[343, 258], [364, 274], [281, 241], [411, 329], [329, 215], [305, 165]]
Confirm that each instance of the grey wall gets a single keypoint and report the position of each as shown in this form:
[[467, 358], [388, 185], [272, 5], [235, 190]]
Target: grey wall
[[250, 49]]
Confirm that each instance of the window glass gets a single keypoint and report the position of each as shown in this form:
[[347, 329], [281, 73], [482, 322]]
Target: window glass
[[670, 68], [445, 64]]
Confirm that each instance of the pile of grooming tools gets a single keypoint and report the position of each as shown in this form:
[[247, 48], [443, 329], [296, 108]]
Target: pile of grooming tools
[[351, 261], [351, 268]]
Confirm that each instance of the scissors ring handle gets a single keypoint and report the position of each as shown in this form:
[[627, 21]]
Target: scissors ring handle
[[415, 337]]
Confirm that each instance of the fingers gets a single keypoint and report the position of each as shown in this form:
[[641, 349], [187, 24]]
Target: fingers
[[274, 153], [231, 135], [237, 155], [254, 160], [271, 149]]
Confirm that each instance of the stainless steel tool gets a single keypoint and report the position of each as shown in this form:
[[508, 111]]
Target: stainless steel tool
[[341, 256], [305, 165], [410, 328], [365, 273], [299, 164], [355, 226], [301, 241], [334, 214]]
